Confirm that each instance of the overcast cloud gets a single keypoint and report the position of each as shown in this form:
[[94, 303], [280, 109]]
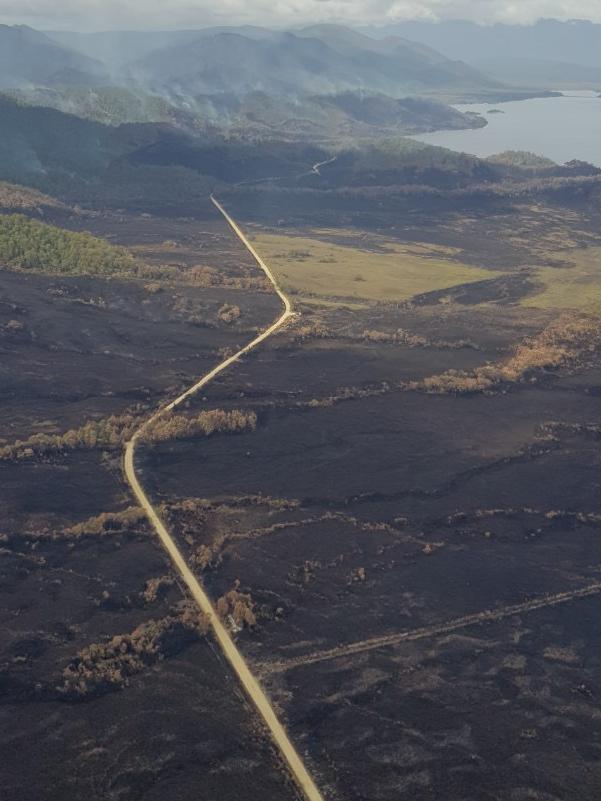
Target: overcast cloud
[[117, 14]]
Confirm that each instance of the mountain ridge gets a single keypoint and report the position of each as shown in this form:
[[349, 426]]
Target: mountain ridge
[[314, 59], [28, 57]]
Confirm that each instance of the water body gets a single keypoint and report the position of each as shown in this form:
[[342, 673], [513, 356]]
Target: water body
[[559, 128]]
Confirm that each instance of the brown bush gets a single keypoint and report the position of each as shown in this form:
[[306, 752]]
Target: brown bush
[[176, 426], [357, 576], [314, 329], [205, 276], [18, 197], [133, 518], [348, 393], [562, 342], [101, 667], [228, 313], [237, 606], [398, 337], [404, 337], [14, 325], [110, 433], [156, 587]]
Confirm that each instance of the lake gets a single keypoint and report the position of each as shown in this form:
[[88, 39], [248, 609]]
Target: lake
[[560, 128]]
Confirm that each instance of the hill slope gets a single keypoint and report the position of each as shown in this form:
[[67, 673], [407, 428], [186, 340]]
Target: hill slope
[[30, 57]]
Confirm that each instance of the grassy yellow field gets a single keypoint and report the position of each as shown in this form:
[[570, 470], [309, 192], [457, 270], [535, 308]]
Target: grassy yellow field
[[389, 271], [577, 286]]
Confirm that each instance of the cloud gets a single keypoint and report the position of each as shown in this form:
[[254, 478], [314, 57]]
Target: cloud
[[115, 14]]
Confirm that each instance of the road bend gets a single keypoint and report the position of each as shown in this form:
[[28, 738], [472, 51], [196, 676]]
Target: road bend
[[228, 647]]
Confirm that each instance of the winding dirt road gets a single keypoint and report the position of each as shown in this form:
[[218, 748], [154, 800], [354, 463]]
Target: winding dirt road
[[316, 168], [250, 684]]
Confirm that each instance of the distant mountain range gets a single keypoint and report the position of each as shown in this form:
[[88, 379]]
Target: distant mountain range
[[317, 60], [549, 53], [547, 73], [315, 84], [576, 42], [448, 60], [319, 82]]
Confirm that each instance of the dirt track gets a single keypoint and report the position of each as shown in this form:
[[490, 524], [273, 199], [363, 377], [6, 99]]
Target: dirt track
[[487, 616], [222, 636]]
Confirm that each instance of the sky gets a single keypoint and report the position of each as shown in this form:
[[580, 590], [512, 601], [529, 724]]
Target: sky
[[169, 14]]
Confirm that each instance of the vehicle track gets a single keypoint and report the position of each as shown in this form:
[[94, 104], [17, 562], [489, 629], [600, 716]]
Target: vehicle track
[[487, 616], [228, 647]]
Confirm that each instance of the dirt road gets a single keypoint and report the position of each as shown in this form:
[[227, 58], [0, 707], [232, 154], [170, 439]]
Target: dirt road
[[448, 627], [316, 168], [222, 635]]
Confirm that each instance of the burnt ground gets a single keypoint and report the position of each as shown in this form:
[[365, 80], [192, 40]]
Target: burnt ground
[[108, 343], [425, 569], [415, 510], [356, 517], [87, 348]]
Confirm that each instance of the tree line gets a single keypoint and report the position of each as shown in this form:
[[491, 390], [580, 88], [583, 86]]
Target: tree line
[[111, 433], [178, 426]]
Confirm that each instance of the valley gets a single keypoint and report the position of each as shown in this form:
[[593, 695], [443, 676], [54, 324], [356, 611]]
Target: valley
[[299, 422], [363, 507]]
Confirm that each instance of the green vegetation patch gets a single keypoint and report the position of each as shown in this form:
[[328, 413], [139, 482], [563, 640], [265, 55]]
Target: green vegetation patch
[[27, 244], [389, 271], [521, 158], [110, 105]]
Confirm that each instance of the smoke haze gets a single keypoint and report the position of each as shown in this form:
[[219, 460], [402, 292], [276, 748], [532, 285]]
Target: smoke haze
[[148, 14]]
